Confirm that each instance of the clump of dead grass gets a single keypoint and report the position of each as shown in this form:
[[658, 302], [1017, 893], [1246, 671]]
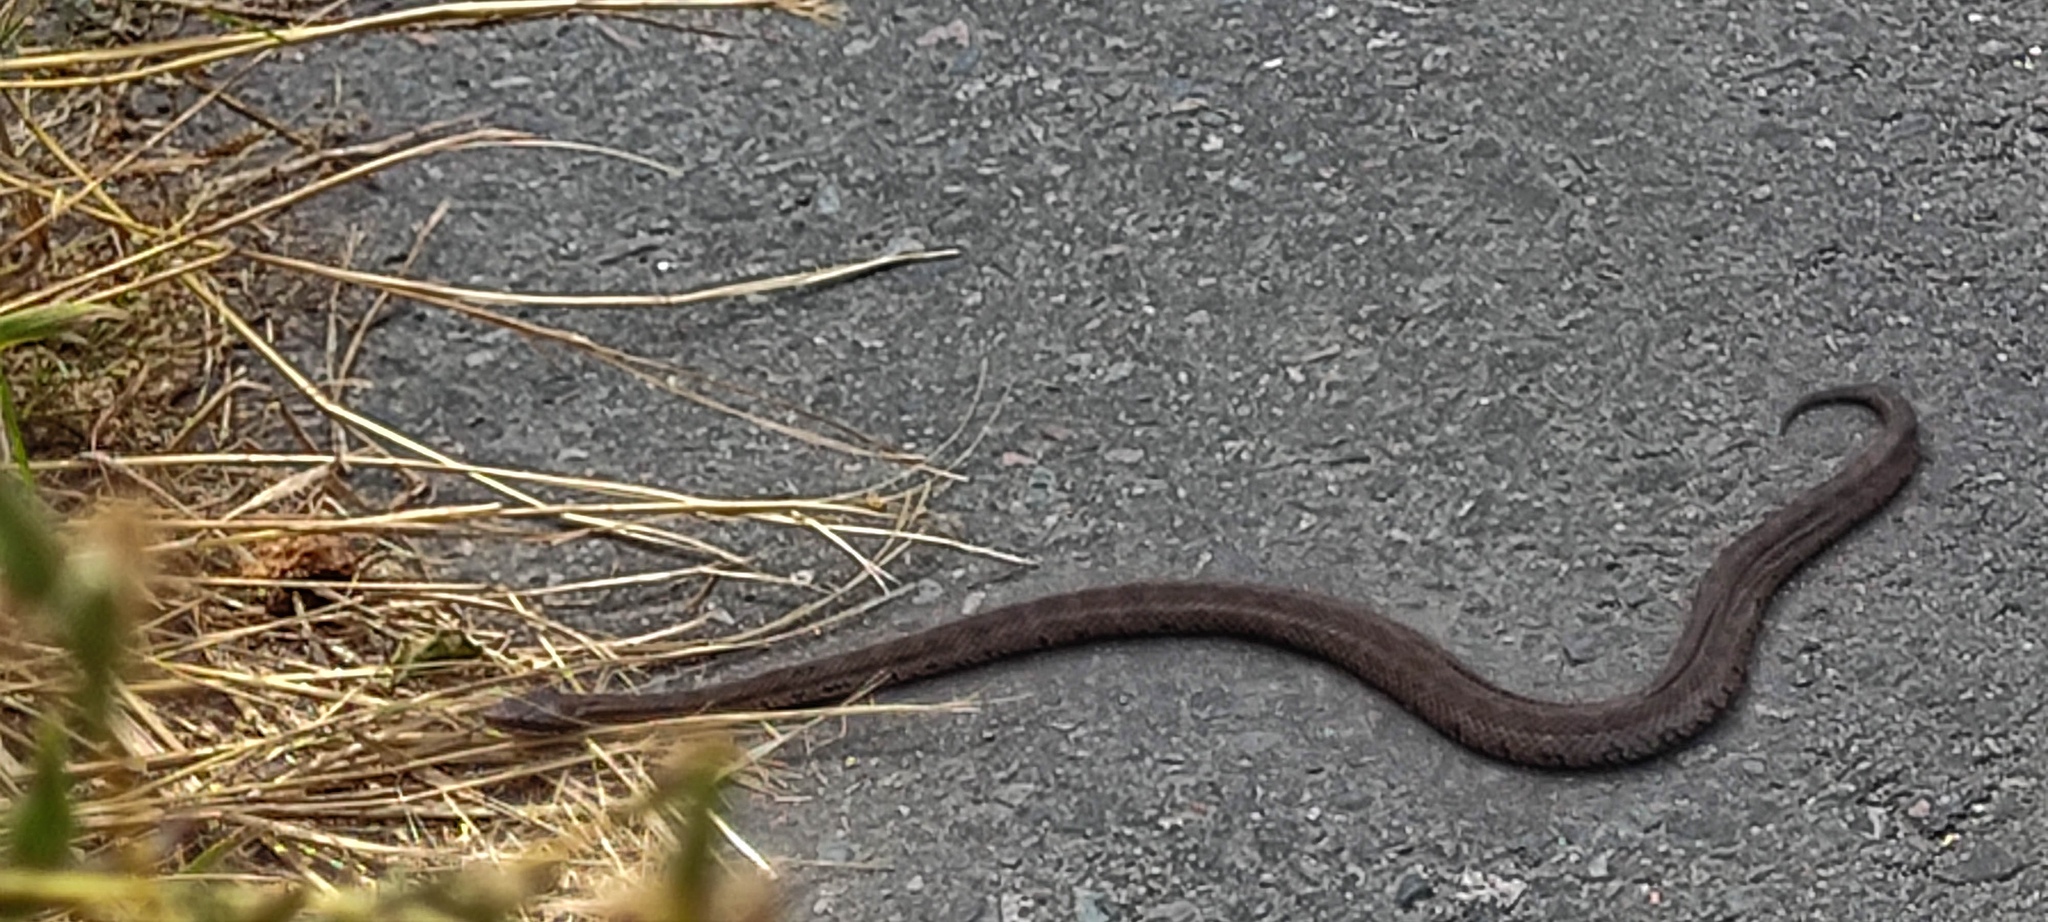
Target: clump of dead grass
[[298, 703]]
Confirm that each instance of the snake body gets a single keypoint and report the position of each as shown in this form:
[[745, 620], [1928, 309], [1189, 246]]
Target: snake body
[[1707, 669]]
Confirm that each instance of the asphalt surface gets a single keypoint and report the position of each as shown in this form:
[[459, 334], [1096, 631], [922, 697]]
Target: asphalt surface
[[1483, 312]]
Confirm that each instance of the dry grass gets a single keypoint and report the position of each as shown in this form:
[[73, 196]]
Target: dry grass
[[299, 705]]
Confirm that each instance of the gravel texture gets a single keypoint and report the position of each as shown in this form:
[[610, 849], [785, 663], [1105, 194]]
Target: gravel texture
[[1481, 311]]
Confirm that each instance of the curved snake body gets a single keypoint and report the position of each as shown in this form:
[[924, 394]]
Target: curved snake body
[[1707, 669]]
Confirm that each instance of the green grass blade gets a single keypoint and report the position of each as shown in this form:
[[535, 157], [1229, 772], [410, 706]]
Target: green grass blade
[[10, 429], [40, 831], [31, 560], [34, 324]]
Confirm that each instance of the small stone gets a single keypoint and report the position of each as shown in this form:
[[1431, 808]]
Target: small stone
[[1176, 911], [1911, 124], [963, 63], [1987, 863], [1088, 906], [1411, 889], [1597, 868], [1041, 488], [1580, 648], [1015, 795], [1125, 455], [148, 102], [956, 32], [1485, 148]]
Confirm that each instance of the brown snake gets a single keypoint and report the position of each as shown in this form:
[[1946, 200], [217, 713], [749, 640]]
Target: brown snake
[[1706, 671]]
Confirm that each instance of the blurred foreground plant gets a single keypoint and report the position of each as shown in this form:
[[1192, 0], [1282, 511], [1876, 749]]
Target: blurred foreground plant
[[86, 595], [86, 600]]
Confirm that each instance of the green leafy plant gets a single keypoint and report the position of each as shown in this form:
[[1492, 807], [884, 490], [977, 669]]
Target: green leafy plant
[[36, 324]]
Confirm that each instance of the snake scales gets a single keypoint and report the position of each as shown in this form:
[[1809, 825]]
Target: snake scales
[[1706, 671]]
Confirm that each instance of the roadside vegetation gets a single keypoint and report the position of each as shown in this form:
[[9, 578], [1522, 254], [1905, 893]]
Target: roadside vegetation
[[238, 683]]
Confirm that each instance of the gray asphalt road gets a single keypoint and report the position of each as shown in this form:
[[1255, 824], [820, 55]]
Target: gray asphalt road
[[1480, 311]]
